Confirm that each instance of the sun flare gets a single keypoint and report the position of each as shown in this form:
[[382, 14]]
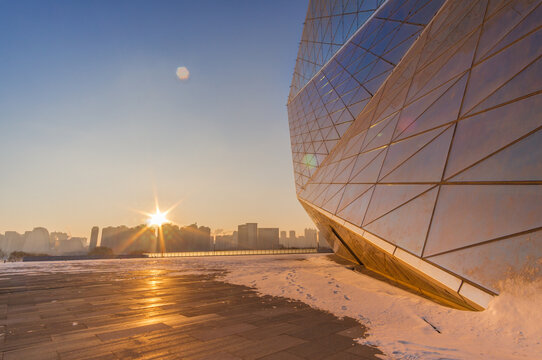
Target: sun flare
[[157, 219]]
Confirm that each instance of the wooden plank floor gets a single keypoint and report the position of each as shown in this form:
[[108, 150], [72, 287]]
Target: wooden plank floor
[[159, 314]]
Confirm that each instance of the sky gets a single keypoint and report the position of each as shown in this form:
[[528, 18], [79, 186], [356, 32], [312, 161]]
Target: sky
[[94, 121]]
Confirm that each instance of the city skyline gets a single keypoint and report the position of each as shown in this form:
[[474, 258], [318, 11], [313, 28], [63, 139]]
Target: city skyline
[[165, 237], [95, 120]]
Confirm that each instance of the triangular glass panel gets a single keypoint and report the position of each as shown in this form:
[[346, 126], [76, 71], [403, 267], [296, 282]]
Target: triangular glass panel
[[442, 111], [357, 107], [402, 150], [495, 28], [471, 214], [427, 164], [518, 162], [494, 72], [343, 174], [353, 145], [524, 83], [440, 71], [341, 128], [412, 111], [480, 135], [370, 173], [351, 192], [389, 197], [320, 194], [403, 33], [484, 264], [407, 225], [330, 144], [355, 211], [363, 160], [379, 130], [374, 84], [528, 24], [383, 137], [333, 202], [345, 117]]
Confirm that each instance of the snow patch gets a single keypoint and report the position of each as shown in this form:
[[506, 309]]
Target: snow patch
[[403, 325]]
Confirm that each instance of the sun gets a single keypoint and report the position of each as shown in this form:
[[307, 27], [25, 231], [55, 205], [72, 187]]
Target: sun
[[158, 218]]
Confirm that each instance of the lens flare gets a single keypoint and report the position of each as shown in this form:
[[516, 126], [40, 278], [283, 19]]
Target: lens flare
[[183, 73], [310, 161], [157, 219]]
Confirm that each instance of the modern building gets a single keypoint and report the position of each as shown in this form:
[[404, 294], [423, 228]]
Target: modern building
[[125, 240], [194, 238], [12, 241], [291, 235], [311, 238], [37, 241], [225, 242], [268, 238], [71, 246], [247, 236], [416, 140], [93, 238]]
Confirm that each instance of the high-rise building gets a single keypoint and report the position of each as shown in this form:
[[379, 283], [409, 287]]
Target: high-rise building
[[194, 238], [37, 241], [311, 238], [124, 240], [71, 246], [13, 241], [93, 238], [415, 131], [268, 238], [248, 236], [291, 235], [283, 239]]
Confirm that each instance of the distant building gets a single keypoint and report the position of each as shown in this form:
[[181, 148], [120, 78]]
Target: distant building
[[93, 238], [71, 246], [173, 240], [225, 242], [55, 237], [292, 239], [13, 241], [124, 240], [37, 241], [248, 236], [311, 238], [268, 238], [194, 238], [292, 235]]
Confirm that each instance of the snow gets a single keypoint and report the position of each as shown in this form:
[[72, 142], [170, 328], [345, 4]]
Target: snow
[[511, 327], [400, 324]]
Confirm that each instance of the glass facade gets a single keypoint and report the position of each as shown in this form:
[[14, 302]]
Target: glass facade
[[417, 140]]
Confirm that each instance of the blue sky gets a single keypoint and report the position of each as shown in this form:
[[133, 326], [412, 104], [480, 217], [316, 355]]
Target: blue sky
[[93, 120]]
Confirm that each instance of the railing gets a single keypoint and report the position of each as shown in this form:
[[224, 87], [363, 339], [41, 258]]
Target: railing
[[231, 253]]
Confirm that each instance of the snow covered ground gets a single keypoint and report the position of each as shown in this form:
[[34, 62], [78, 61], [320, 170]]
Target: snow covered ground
[[511, 328], [398, 322]]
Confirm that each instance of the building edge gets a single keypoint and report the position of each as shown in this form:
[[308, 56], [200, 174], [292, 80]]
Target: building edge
[[360, 246]]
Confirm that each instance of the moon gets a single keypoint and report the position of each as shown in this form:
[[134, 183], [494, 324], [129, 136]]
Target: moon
[[183, 73]]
